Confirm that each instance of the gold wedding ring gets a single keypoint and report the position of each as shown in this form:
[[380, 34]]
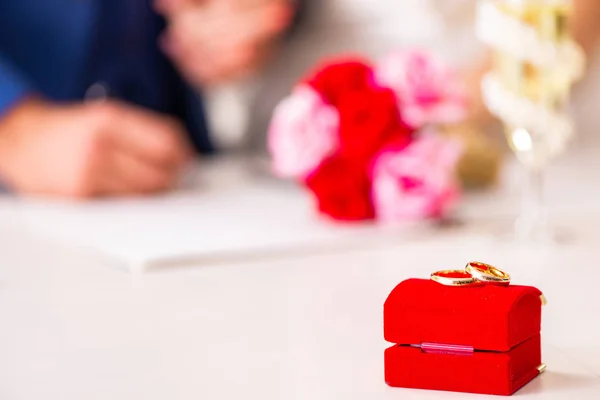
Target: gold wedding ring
[[453, 277], [487, 273]]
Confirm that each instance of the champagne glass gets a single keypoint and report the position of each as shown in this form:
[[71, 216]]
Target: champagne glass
[[535, 63]]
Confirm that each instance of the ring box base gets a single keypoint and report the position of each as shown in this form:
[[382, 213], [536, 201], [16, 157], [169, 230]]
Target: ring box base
[[485, 372]]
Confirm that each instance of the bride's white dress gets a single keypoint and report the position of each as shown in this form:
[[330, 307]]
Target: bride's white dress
[[240, 112]]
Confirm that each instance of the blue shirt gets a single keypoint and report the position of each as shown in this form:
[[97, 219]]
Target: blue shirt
[[59, 49]]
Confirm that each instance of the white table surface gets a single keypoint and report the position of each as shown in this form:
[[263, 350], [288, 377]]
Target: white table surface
[[302, 326]]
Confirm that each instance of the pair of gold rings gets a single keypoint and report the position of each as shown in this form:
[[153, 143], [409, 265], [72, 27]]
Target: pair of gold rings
[[474, 273]]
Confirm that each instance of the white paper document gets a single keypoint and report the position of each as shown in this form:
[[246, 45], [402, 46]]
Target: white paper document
[[227, 214]]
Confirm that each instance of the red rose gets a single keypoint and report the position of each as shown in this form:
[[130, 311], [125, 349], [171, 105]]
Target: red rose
[[368, 121], [342, 189], [339, 78]]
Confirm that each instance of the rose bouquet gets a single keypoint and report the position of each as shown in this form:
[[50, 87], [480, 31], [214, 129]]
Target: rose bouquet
[[362, 138]]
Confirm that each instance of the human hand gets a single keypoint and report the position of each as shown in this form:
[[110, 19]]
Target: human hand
[[89, 150], [212, 41]]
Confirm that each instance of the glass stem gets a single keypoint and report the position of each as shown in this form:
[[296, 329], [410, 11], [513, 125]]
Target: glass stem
[[532, 221]]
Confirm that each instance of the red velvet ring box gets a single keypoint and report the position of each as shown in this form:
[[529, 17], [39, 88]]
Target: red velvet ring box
[[478, 339]]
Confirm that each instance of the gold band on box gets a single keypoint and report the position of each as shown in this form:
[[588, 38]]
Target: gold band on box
[[464, 279], [542, 368], [487, 273]]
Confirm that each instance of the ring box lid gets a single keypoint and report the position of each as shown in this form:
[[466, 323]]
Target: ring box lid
[[484, 317]]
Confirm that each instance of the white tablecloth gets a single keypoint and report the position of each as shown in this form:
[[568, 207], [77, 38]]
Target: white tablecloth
[[300, 325]]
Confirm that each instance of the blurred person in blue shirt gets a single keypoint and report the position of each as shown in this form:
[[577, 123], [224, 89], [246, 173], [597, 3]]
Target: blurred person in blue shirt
[[102, 97]]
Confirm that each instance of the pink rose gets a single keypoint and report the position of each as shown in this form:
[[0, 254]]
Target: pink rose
[[303, 132], [429, 92], [416, 181]]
